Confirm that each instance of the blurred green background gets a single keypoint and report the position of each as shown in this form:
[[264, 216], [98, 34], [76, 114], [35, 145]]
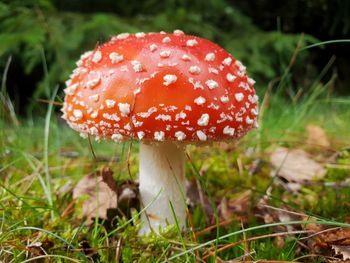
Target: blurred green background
[[40, 40]]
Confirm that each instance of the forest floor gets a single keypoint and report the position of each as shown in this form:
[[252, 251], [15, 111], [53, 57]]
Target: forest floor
[[281, 193]]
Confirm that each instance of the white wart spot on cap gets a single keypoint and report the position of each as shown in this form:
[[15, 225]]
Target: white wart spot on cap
[[194, 70], [230, 77], [159, 136], [180, 136], [199, 101], [178, 32], [94, 97], [77, 114], [212, 84], [224, 99], [229, 131], [239, 97], [186, 57], [117, 137], [191, 42], [93, 82], [249, 120], [210, 57], [124, 108], [255, 111], [93, 131], [201, 135], [251, 81], [97, 56], [140, 34], [115, 57], [110, 103], [140, 135], [213, 70], [137, 66], [203, 120], [71, 89], [166, 40], [153, 47], [123, 36], [94, 114], [169, 79], [253, 99], [227, 61], [165, 54]]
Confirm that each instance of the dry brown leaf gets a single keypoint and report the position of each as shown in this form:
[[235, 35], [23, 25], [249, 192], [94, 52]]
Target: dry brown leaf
[[295, 165], [317, 136], [101, 191], [342, 250], [238, 205]]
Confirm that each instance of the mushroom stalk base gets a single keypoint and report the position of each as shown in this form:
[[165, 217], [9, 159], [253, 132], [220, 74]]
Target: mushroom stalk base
[[162, 181]]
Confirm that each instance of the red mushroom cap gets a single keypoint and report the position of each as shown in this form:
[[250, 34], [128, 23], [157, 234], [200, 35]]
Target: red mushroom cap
[[160, 86]]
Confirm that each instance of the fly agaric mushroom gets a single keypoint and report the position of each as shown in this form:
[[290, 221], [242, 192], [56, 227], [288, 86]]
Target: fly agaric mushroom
[[165, 90]]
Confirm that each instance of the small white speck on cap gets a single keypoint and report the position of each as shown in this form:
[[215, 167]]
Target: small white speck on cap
[[178, 32], [169, 79], [83, 135], [165, 53], [78, 114], [140, 34], [94, 114], [93, 82], [201, 135], [249, 120], [159, 136], [137, 66], [166, 40], [224, 99], [194, 70], [203, 120], [230, 77], [180, 135], [212, 84], [140, 135], [115, 57], [227, 61], [213, 70], [86, 55], [191, 42], [210, 57], [186, 57], [93, 131], [137, 91], [97, 56], [122, 36], [110, 103], [127, 126], [181, 115], [117, 137], [253, 99], [124, 108], [255, 111], [71, 89], [94, 97], [239, 97], [163, 117], [199, 101], [240, 66], [251, 81], [229, 131], [153, 47]]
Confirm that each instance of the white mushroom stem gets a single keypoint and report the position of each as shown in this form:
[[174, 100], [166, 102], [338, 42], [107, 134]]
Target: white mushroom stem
[[162, 181]]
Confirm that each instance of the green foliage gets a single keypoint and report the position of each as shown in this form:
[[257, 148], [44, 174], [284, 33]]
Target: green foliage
[[41, 38]]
